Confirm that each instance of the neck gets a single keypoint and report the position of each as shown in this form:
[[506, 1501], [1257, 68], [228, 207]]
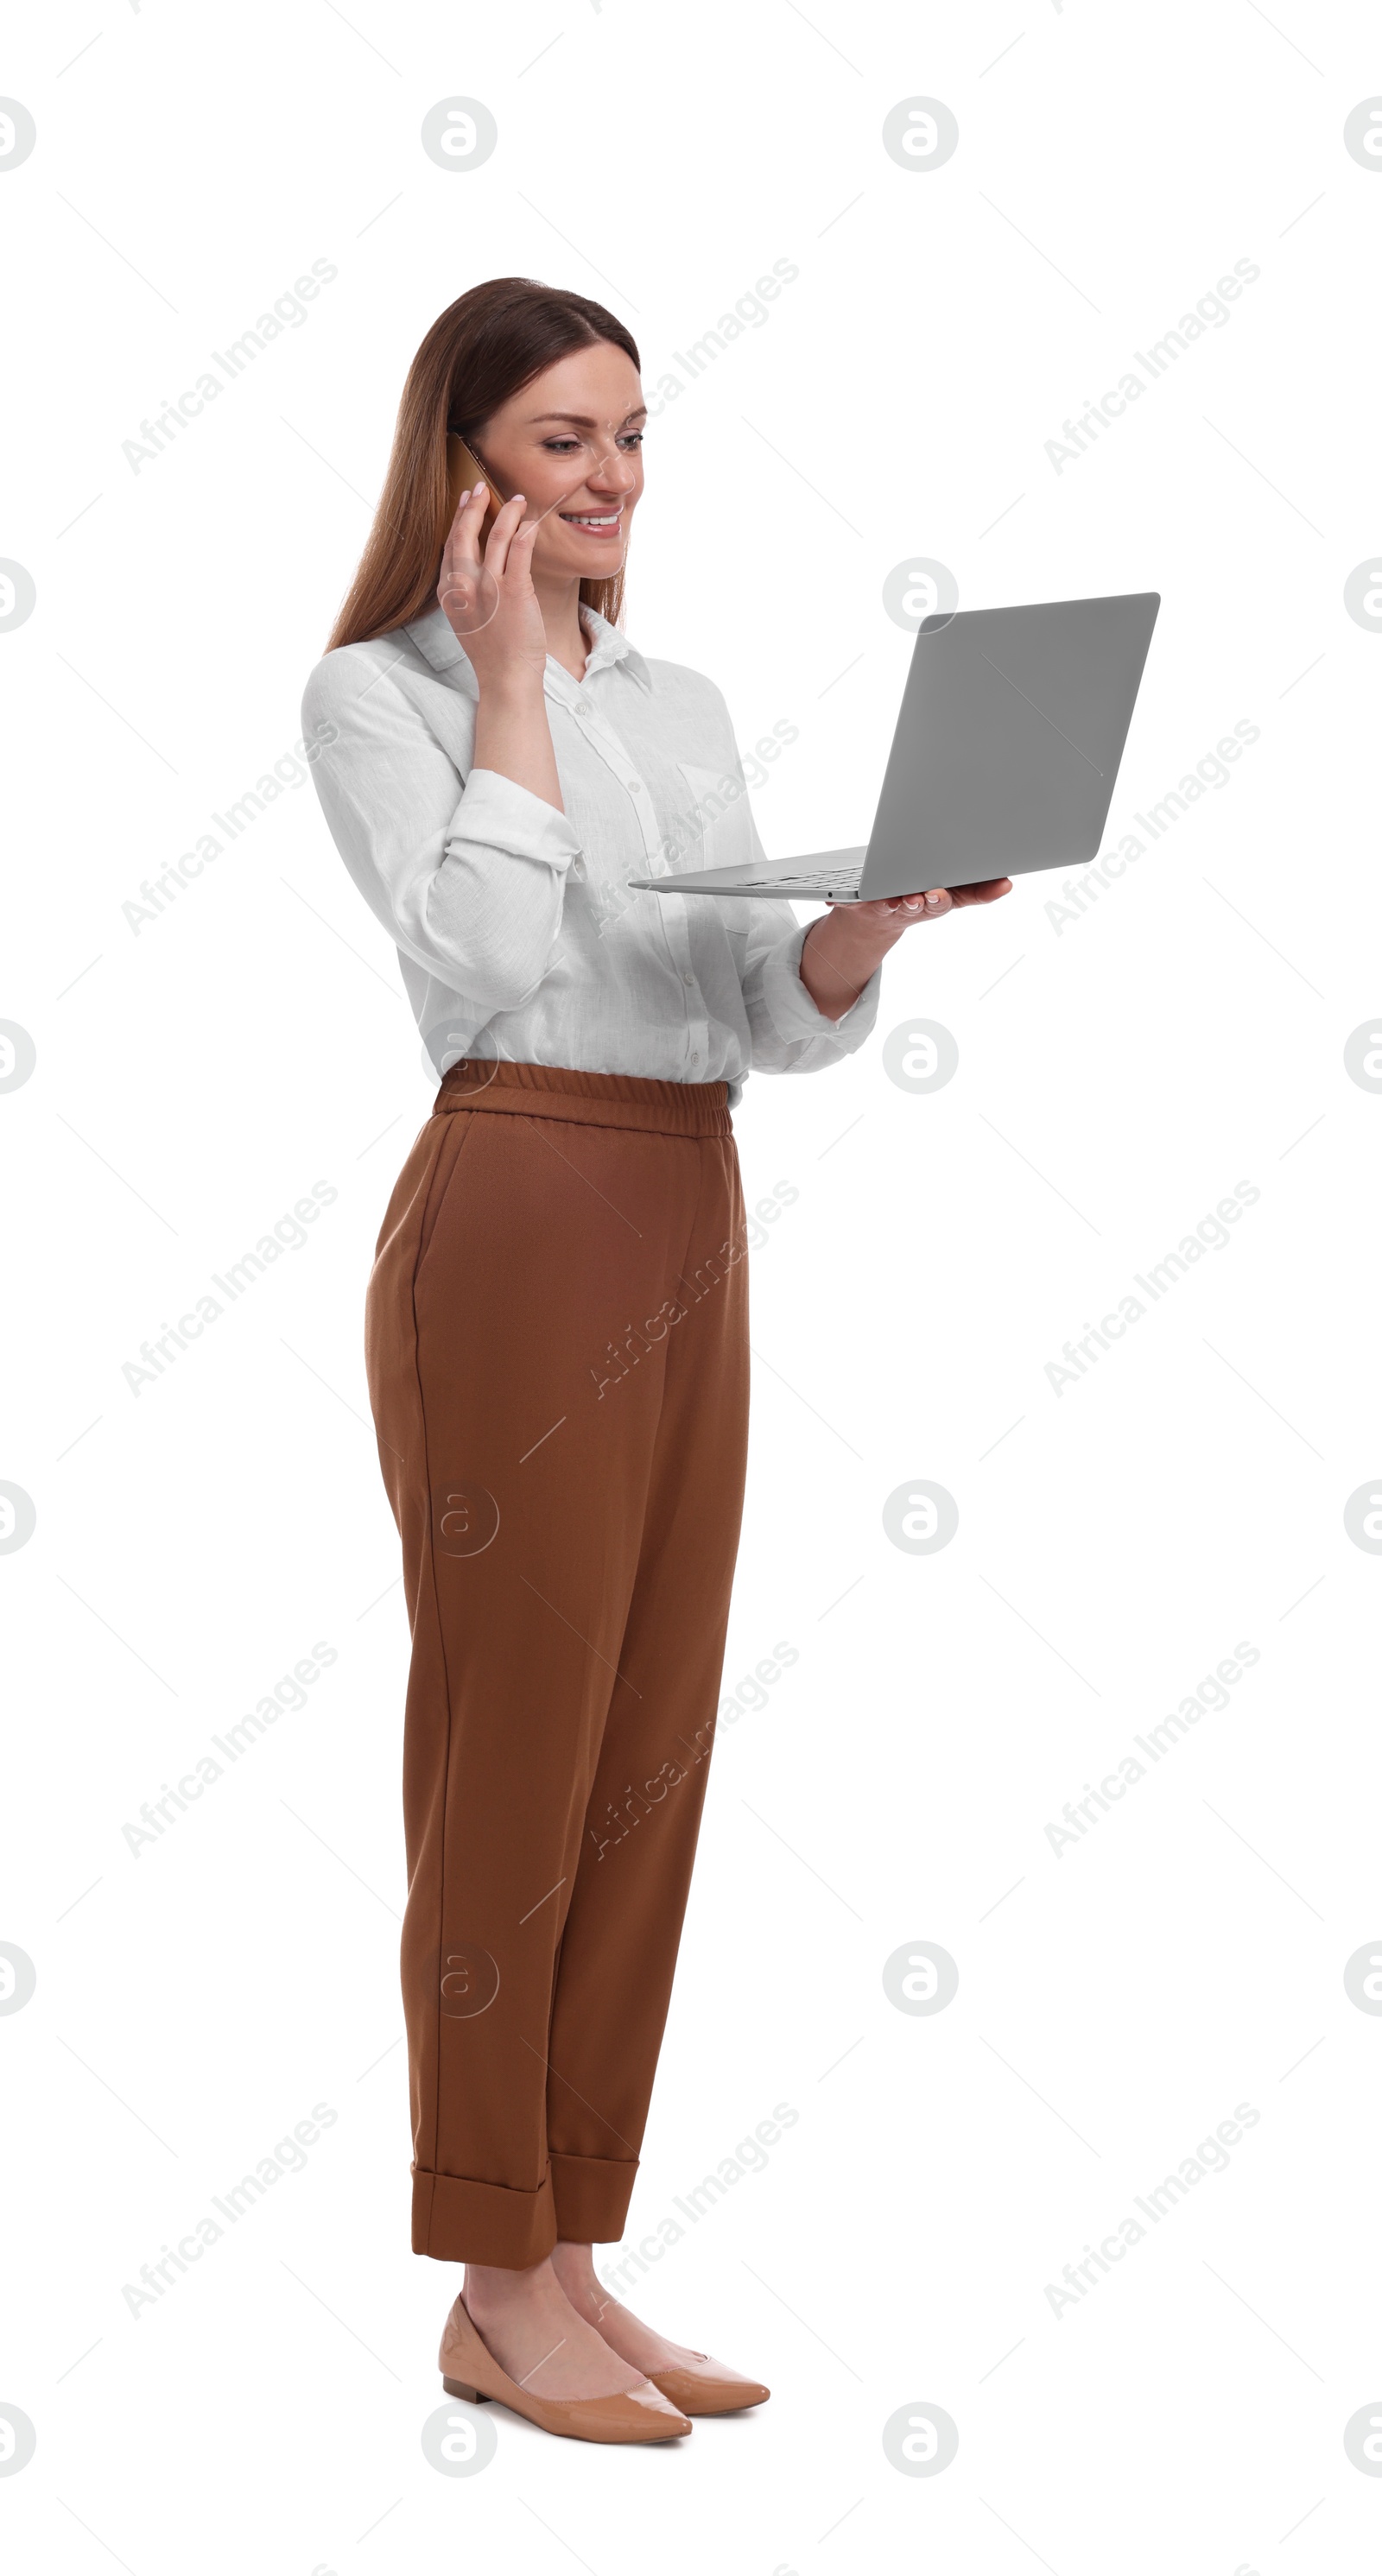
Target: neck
[[560, 603]]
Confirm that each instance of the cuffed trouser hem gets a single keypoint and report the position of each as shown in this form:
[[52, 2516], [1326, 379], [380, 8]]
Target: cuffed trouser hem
[[481, 2222], [591, 2197], [583, 2198]]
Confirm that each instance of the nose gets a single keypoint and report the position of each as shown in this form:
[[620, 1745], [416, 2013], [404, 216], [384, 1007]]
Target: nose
[[613, 473]]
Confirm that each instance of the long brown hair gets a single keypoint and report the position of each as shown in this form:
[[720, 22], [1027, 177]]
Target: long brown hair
[[481, 351]]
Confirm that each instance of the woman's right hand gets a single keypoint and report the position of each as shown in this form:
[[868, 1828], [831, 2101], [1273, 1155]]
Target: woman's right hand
[[489, 600]]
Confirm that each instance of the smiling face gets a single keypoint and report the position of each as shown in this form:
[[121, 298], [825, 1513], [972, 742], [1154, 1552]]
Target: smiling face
[[571, 443]]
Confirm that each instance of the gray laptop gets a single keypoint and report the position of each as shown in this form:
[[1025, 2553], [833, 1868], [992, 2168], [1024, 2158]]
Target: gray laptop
[[1008, 741]]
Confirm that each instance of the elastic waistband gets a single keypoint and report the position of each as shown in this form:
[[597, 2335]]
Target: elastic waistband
[[589, 1099]]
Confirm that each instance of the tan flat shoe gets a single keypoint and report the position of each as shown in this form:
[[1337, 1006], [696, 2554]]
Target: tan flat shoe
[[706, 2387], [469, 2370]]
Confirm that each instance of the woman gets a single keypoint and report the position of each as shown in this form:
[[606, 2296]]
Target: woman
[[556, 1328]]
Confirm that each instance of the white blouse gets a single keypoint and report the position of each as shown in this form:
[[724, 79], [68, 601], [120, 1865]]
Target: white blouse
[[516, 931]]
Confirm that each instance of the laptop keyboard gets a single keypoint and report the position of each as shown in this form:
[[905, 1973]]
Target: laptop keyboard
[[819, 880]]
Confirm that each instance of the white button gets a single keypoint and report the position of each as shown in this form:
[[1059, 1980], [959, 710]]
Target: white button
[[688, 979]]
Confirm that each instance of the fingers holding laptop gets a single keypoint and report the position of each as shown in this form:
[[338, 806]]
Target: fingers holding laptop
[[988, 892], [899, 911]]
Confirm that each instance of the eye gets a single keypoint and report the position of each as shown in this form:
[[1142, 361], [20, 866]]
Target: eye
[[560, 446], [632, 438]]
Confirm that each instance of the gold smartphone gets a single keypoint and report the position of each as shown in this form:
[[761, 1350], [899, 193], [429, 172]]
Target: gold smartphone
[[463, 472]]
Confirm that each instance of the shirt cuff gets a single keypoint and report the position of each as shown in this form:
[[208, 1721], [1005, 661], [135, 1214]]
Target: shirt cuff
[[495, 813], [790, 1008]]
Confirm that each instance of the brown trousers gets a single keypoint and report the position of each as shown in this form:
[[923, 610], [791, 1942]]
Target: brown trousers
[[557, 1347]]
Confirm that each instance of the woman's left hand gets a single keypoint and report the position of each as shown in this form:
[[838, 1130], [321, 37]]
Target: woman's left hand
[[847, 945]]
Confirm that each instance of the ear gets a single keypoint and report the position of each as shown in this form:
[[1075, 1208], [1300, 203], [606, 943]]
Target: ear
[[463, 472]]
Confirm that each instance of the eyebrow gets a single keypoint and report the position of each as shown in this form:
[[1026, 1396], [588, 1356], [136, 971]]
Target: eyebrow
[[582, 420]]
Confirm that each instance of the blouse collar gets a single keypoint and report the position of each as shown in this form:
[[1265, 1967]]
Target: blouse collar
[[609, 645]]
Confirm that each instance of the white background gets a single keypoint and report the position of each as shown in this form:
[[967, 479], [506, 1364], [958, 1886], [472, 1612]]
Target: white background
[[1118, 1074]]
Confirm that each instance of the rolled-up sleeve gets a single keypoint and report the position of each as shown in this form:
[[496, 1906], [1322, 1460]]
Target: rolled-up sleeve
[[436, 856], [789, 1034]]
